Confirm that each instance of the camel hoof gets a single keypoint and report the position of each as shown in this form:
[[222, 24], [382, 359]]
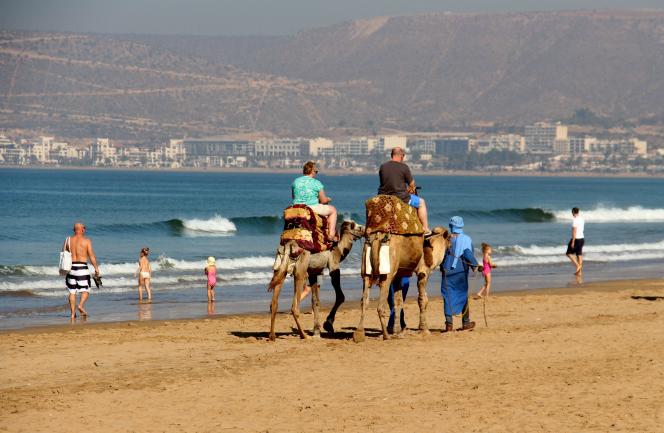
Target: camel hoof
[[305, 337], [358, 336], [317, 333], [328, 326], [272, 337]]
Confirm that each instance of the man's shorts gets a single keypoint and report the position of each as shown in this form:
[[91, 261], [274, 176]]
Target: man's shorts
[[322, 209], [78, 279], [578, 247], [414, 201]]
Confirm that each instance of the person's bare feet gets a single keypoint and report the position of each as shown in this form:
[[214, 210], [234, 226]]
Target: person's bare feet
[[82, 311], [578, 270]]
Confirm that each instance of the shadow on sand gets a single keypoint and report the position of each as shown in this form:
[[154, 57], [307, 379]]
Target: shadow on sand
[[344, 334]]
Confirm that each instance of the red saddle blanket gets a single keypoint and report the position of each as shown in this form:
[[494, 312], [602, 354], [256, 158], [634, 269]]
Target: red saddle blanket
[[305, 226]]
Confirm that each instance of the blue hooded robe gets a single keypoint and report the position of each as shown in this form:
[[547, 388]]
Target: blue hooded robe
[[455, 267]]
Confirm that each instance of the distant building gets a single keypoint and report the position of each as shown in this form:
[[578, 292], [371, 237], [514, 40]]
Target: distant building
[[282, 148], [318, 145], [387, 143], [173, 154], [102, 153], [541, 138], [204, 147], [512, 142], [451, 147], [422, 145]]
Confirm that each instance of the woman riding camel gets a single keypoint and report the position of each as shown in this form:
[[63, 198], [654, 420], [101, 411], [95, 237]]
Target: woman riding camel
[[458, 260], [310, 191]]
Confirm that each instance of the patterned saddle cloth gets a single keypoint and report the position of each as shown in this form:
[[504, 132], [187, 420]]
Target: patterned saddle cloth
[[305, 226], [389, 214]]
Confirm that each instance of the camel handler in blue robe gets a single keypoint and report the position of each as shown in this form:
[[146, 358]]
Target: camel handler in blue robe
[[458, 261]]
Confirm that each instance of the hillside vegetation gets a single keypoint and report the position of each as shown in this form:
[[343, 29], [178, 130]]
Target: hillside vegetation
[[419, 72]]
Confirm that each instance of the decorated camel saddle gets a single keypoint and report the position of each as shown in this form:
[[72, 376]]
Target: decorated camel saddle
[[389, 214], [306, 227]]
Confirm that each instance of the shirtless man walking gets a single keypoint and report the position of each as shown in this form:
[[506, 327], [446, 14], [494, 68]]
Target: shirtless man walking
[[78, 279]]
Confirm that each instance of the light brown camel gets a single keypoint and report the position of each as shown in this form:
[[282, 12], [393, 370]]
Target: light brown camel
[[306, 265], [407, 254]]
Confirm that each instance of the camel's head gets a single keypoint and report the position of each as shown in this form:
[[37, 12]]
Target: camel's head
[[440, 238], [355, 229]]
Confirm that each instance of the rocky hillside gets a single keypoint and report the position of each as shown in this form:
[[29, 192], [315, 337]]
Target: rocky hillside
[[412, 72]]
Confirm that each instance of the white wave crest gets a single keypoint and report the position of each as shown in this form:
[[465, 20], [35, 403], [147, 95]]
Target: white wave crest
[[163, 263], [602, 214], [215, 225], [535, 254]]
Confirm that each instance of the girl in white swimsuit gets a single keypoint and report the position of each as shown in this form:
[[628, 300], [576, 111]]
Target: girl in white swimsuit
[[144, 274]]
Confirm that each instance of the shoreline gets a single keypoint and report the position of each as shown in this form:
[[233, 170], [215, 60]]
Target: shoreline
[[344, 172], [349, 305]]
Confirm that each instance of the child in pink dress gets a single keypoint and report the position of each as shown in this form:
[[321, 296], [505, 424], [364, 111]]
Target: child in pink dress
[[487, 265], [211, 272]]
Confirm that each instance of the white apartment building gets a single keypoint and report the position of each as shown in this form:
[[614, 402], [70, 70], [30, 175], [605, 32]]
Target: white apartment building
[[284, 148], [102, 153], [541, 137], [387, 143], [173, 154], [513, 142], [319, 145]]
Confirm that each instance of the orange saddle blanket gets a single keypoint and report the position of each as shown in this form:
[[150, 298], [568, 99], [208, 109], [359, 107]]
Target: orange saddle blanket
[[390, 214]]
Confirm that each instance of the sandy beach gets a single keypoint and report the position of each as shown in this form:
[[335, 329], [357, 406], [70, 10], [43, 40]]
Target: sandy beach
[[589, 358]]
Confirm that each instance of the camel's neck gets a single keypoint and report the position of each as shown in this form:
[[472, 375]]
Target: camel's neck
[[344, 245]]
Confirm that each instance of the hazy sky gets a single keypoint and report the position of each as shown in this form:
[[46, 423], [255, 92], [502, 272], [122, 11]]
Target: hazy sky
[[242, 17]]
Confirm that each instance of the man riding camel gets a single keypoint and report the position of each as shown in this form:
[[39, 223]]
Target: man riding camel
[[395, 179]]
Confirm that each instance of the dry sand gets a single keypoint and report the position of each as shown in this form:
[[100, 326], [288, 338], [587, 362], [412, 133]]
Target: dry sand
[[590, 359]]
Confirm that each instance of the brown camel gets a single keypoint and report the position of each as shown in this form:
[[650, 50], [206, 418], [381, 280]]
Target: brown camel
[[302, 264], [407, 254]]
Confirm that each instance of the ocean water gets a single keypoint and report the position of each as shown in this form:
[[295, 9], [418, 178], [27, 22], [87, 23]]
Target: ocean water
[[186, 217]]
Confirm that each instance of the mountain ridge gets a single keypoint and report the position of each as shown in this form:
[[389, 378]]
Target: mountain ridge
[[413, 72]]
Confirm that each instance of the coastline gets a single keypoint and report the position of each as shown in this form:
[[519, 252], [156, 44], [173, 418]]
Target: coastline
[[591, 359], [285, 299], [345, 172]]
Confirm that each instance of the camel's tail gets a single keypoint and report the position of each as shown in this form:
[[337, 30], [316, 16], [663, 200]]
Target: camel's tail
[[284, 254]]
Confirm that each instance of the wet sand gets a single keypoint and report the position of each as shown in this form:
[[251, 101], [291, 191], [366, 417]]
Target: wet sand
[[589, 358]]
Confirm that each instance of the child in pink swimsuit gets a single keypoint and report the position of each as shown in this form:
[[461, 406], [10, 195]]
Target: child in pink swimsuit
[[211, 272], [487, 265]]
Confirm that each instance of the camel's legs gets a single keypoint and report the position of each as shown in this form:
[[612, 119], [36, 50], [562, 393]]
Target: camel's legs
[[383, 306], [358, 335], [423, 301], [273, 308], [315, 303], [335, 278], [398, 305], [295, 308]]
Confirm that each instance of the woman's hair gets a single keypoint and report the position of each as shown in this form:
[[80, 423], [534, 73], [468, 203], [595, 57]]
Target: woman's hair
[[485, 247], [145, 251], [309, 167]]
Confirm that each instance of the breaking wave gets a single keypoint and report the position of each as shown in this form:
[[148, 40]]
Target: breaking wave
[[517, 255], [599, 214], [162, 264], [215, 226], [602, 214], [529, 215]]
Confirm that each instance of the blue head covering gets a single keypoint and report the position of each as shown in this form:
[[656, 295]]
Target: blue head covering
[[461, 242], [456, 223]]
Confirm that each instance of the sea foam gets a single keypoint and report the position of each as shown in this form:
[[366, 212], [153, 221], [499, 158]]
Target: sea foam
[[601, 214]]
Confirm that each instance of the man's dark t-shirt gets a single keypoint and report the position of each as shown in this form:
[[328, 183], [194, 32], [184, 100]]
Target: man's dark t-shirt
[[394, 179]]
